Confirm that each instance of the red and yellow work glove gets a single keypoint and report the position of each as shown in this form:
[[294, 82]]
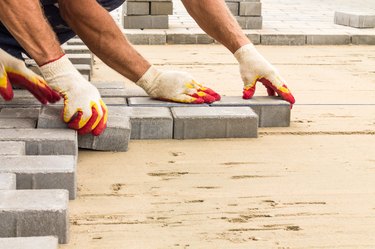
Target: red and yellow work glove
[[84, 109], [175, 86], [14, 72], [254, 67]]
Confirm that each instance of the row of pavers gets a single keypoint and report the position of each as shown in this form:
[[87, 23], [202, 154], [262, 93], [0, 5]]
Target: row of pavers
[[38, 154]]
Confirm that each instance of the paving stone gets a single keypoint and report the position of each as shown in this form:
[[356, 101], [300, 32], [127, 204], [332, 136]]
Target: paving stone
[[161, 8], [146, 22], [42, 172], [115, 137], [356, 20], [112, 92], [75, 41], [108, 84], [17, 123], [323, 39], [363, 39], [250, 9], [250, 22], [254, 38], [43, 141], [189, 37], [136, 8], [147, 101], [76, 49], [7, 182], [20, 102], [50, 118], [45, 242], [26, 213], [214, 122], [272, 111], [234, 8], [12, 148], [32, 113], [115, 101], [283, 39], [140, 37], [147, 122], [83, 59]]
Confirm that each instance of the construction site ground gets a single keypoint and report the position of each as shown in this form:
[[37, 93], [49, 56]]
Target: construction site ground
[[310, 185]]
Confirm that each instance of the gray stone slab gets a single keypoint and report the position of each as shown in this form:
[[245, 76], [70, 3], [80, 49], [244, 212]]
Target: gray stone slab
[[104, 92], [250, 22], [17, 123], [76, 49], [149, 38], [82, 59], [42, 172], [147, 122], [234, 8], [115, 137], [214, 122], [250, 9], [283, 39], [136, 8], [161, 8], [7, 182], [188, 37], [325, 39], [25, 213], [50, 118], [20, 102], [115, 101], [45, 242], [32, 113], [147, 101], [43, 141], [272, 111], [363, 39], [146, 22], [108, 84], [355, 19], [11, 148]]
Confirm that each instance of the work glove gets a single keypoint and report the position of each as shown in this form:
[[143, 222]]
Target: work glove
[[175, 86], [254, 67], [84, 109], [14, 72]]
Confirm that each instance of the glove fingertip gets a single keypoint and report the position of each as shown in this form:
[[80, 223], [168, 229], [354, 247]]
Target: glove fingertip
[[99, 129]]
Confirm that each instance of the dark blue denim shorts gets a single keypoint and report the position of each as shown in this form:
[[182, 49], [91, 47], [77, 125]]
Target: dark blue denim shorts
[[52, 13]]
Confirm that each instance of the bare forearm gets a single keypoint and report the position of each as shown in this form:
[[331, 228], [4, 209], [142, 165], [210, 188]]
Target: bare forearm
[[99, 32], [26, 22], [214, 17]]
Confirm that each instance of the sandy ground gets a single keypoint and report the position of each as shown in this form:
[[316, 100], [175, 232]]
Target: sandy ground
[[308, 186]]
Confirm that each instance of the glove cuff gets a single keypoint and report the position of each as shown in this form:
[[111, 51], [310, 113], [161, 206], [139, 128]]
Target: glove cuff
[[244, 51], [57, 67], [146, 81]]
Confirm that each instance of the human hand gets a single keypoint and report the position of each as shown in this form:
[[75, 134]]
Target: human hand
[[14, 72], [175, 86], [254, 67], [84, 109]]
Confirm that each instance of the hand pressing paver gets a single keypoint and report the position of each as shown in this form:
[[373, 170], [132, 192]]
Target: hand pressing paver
[[11, 148], [147, 122], [7, 182], [25, 213], [42, 172], [214, 122], [272, 111], [46, 242], [147, 101], [43, 141]]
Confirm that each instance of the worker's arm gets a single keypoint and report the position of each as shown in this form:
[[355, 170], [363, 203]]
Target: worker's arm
[[100, 33], [214, 17], [83, 108]]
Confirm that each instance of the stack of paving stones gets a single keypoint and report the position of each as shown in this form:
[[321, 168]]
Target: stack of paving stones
[[78, 53], [248, 13], [355, 20], [38, 154], [147, 14]]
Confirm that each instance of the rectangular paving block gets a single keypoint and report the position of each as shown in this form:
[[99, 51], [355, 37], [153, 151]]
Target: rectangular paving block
[[76, 49], [363, 39], [161, 8], [325, 39], [32, 112], [146, 22], [43, 141], [147, 122], [188, 37], [272, 111], [234, 8], [355, 20], [141, 37], [115, 101], [104, 92], [250, 9], [42, 172], [17, 123], [25, 213], [250, 22], [7, 181], [25, 102], [12, 148], [115, 137], [43, 242], [283, 39], [214, 122], [136, 8], [147, 101]]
